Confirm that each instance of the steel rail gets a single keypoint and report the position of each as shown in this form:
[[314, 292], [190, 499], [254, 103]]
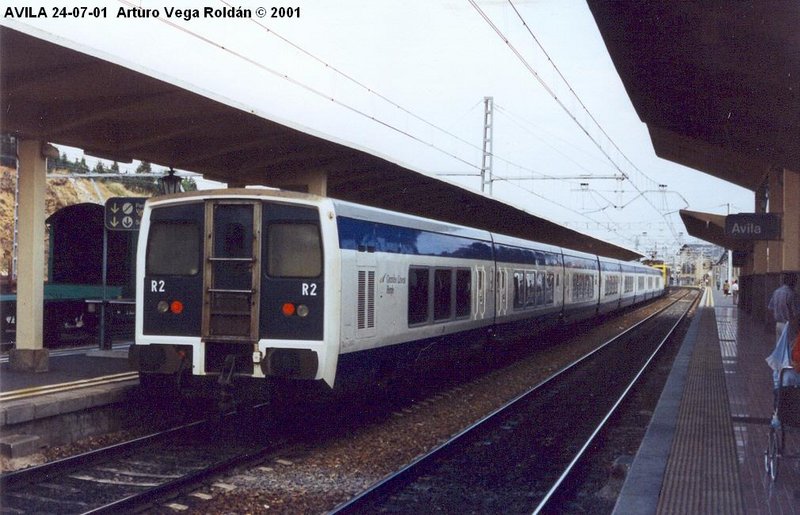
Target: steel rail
[[405, 474], [54, 468], [171, 488], [90, 459], [565, 474]]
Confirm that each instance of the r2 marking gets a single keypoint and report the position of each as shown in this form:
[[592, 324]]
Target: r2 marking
[[309, 290], [157, 286]]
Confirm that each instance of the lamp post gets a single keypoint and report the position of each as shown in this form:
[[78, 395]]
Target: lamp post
[[170, 183]]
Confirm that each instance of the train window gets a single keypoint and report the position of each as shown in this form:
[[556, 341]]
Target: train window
[[233, 227], [442, 294], [418, 279], [294, 250], [582, 287], [463, 292], [530, 288], [612, 285], [577, 291], [234, 241], [519, 289], [173, 248], [540, 288], [549, 288], [628, 284]]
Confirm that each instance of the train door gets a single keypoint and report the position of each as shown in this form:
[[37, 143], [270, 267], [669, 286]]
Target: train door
[[231, 279], [502, 293], [481, 293]]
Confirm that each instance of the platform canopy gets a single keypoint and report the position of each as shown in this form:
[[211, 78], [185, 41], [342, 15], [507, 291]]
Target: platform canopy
[[717, 82], [54, 92], [711, 228]]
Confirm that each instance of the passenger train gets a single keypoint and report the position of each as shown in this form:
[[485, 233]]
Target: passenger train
[[266, 283]]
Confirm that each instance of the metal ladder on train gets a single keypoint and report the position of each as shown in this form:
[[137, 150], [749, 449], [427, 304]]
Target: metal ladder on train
[[231, 280]]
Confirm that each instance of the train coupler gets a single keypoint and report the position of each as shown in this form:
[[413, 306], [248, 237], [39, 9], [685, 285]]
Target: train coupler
[[226, 401]]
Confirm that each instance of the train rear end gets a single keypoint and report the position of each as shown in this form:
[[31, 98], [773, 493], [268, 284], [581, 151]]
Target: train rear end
[[231, 286]]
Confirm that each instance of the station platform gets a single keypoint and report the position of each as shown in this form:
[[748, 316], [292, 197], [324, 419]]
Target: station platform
[[704, 449], [78, 386], [66, 366]]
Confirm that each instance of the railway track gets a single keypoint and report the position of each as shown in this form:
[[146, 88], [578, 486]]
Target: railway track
[[144, 472], [516, 459], [135, 473]]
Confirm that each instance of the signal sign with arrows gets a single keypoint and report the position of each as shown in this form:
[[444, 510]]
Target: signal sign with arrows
[[124, 213]]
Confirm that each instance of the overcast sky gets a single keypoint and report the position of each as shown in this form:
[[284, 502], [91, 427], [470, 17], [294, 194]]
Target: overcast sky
[[407, 79]]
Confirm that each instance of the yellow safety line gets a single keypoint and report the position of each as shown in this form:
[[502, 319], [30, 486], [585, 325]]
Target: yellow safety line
[[63, 387], [710, 299]]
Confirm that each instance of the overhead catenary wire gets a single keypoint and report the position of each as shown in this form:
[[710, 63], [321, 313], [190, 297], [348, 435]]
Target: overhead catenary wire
[[574, 93], [372, 91], [308, 88], [344, 105], [520, 122], [591, 116], [560, 103]]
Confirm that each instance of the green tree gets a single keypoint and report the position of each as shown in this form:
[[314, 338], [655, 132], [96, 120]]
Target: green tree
[[59, 163], [115, 168], [100, 168], [144, 167], [188, 184], [80, 166]]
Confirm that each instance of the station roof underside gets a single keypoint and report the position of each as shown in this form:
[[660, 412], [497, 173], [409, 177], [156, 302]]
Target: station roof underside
[[711, 228], [54, 93], [717, 82]]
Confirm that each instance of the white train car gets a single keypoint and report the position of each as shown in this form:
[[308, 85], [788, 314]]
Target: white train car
[[262, 283], [529, 291], [408, 282], [611, 285]]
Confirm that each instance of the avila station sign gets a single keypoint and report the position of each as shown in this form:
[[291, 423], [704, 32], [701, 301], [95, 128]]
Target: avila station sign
[[753, 226]]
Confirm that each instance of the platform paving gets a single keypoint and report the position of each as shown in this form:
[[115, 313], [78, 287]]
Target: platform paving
[[63, 369], [704, 449], [31, 419]]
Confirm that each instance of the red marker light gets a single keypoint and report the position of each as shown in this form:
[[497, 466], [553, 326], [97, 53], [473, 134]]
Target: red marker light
[[287, 309], [176, 307]]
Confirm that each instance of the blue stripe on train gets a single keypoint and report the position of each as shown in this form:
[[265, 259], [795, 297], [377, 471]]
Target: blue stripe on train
[[377, 237], [364, 235]]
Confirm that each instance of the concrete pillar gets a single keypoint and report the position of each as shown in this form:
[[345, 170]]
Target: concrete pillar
[[29, 354], [760, 261], [791, 220], [758, 254], [776, 206], [314, 182]]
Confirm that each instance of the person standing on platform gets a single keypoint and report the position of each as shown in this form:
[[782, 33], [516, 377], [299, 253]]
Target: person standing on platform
[[784, 303], [725, 287], [735, 292]]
